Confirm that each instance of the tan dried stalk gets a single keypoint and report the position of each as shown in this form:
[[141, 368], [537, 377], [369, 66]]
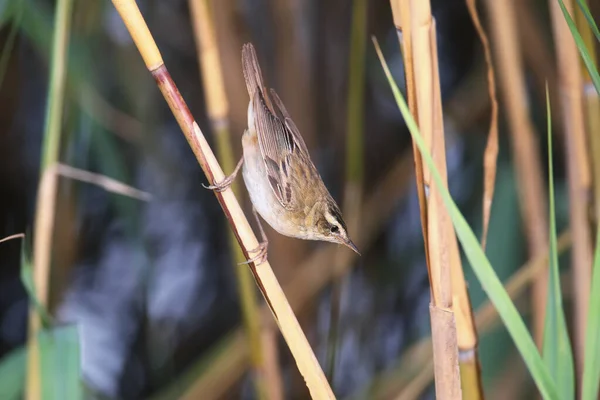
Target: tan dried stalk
[[468, 341], [42, 249], [538, 58], [415, 370], [309, 279], [263, 274], [218, 113], [47, 192], [525, 148], [442, 247], [491, 150], [401, 15], [578, 171]]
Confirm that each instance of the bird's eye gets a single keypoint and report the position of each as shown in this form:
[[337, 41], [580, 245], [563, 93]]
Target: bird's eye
[[334, 229]]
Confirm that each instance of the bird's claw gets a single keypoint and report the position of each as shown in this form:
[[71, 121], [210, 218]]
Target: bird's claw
[[261, 256], [221, 186]]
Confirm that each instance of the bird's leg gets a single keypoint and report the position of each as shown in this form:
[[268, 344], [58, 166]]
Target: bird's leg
[[261, 257], [225, 183]]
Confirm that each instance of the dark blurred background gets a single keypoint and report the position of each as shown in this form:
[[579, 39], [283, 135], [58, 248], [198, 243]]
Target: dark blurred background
[[151, 284]]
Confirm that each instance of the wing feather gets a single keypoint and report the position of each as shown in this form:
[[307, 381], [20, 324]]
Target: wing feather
[[279, 140]]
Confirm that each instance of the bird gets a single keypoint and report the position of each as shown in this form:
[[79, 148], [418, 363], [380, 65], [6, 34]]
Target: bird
[[284, 186]]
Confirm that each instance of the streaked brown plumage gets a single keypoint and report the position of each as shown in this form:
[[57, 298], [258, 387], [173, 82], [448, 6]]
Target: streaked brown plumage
[[284, 185]]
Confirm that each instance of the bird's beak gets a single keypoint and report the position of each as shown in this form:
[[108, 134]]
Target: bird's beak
[[349, 243]]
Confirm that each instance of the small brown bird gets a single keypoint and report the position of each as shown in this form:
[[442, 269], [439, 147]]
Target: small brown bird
[[284, 185]]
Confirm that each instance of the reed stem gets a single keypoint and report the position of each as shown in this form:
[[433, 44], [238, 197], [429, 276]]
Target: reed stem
[[218, 113], [263, 274], [524, 146], [441, 244], [309, 279], [578, 172], [47, 192]]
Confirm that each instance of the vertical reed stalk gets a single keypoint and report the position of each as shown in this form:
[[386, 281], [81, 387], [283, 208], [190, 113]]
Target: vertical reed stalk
[[538, 58], [218, 113], [353, 190], [47, 191], [442, 248], [578, 171], [401, 15], [525, 148], [263, 274], [415, 370]]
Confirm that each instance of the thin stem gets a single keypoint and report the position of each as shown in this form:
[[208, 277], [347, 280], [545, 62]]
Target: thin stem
[[524, 146], [47, 190], [578, 171], [263, 274], [218, 112]]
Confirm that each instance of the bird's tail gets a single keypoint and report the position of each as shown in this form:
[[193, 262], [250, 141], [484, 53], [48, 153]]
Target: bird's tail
[[252, 72]]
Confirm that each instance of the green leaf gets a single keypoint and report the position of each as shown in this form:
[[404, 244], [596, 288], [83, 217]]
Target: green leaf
[[557, 348], [591, 361], [60, 367], [585, 55], [588, 16], [60, 363], [479, 262], [27, 280], [12, 374]]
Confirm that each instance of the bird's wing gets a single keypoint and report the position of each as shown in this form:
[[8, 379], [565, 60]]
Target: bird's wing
[[277, 147], [278, 137]]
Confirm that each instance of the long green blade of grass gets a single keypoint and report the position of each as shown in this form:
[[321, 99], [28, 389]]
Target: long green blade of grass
[[591, 361], [59, 350], [479, 262], [588, 16], [557, 348], [12, 374], [61, 379], [585, 55]]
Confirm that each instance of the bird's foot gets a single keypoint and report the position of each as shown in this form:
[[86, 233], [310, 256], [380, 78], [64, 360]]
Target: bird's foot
[[261, 254]]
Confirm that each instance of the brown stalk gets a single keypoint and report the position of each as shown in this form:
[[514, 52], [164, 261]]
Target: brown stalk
[[578, 171], [401, 15], [468, 341], [415, 369], [218, 113], [45, 212], [263, 274], [42, 248], [525, 149], [537, 57], [42, 256], [592, 108], [441, 242], [491, 149], [310, 278]]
